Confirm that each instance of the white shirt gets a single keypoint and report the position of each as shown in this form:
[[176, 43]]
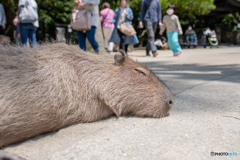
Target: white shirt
[[121, 17]]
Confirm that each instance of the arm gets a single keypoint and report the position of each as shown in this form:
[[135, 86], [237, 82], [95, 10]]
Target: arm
[[3, 14], [179, 26], [92, 2], [159, 12], [87, 3], [163, 27], [101, 17], [130, 14], [142, 13], [115, 16]]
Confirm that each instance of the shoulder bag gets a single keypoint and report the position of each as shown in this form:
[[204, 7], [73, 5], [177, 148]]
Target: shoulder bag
[[126, 28], [28, 13], [81, 20]]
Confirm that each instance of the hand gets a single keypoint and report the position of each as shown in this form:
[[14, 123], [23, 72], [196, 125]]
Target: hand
[[160, 34], [140, 25], [126, 13], [109, 21], [76, 3], [18, 36], [160, 24], [15, 21], [81, 6], [3, 25]]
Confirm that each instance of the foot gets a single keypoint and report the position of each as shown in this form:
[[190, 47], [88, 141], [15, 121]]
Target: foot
[[177, 54], [155, 54]]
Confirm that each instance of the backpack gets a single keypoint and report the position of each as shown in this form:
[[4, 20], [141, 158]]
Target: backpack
[[28, 12]]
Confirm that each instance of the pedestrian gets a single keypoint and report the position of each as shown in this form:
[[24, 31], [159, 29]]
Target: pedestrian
[[151, 14], [16, 33], [2, 20], [191, 36], [123, 14], [29, 25], [90, 5], [105, 15], [171, 23]]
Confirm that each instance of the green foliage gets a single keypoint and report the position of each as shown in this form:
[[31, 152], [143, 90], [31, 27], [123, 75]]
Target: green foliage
[[189, 8], [228, 22], [55, 11]]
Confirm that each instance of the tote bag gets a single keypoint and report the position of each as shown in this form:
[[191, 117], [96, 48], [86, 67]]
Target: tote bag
[[28, 12], [81, 20], [127, 29]]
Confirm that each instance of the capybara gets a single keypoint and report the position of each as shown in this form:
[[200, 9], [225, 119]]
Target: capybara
[[47, 87]]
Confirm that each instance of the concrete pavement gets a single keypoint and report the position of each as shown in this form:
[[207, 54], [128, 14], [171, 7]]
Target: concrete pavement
[[204, 119]]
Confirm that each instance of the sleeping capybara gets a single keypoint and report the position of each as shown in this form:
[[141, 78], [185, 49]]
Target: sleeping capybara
[[53, 85]]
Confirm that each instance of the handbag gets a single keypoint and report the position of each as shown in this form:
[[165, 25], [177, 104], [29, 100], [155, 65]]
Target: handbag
[[28, 13], [127, 29], [81, 20]]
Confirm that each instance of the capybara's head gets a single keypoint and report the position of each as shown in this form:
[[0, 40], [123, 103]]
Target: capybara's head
[[133, 89]]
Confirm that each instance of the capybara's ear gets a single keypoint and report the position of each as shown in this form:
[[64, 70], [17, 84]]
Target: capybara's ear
[[120, 57]]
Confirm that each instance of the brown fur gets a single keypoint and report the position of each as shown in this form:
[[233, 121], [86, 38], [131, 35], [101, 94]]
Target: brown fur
[[54, 85]]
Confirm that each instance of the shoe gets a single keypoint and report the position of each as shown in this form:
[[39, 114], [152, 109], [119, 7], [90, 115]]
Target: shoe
[[155, 54], [179, 53], [148, 55]]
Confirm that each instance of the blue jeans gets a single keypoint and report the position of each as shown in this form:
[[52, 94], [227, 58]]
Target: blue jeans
[[173, 42], [91, 38], [28, 30]]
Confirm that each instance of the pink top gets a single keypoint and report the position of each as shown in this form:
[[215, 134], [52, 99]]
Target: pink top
[[110, 16]]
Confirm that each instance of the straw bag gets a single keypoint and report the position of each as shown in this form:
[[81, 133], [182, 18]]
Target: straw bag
[[81, 20], [127, 29]]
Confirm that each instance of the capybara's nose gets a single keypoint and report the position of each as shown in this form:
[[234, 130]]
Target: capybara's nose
[[170, 103]]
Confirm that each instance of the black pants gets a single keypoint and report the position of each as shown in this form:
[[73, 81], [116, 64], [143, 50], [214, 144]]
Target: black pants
[[2, 32], [122, 40]]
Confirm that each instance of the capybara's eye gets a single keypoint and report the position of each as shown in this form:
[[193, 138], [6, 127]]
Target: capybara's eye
[[140, 72]]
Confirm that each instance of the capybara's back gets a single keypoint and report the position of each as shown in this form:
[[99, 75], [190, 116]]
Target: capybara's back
[[50, 86]]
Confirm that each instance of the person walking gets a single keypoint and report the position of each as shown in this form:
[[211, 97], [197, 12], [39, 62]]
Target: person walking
[[151, 14], [171, 22], [28, 29], [2, 20], [90, 5], [123, 14], [105, 15]]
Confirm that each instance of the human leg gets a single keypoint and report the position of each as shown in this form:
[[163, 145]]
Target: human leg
[[122, 39], [151, 29], [91, 38], [82, 40], [169, 35], [32, 36], [24, 35], [175, 44]]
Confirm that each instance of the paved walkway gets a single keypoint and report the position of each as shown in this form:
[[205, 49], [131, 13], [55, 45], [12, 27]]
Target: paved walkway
[[205, 117]]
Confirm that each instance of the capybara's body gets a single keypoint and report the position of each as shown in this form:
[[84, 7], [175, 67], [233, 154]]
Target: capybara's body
[[50, 86]]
